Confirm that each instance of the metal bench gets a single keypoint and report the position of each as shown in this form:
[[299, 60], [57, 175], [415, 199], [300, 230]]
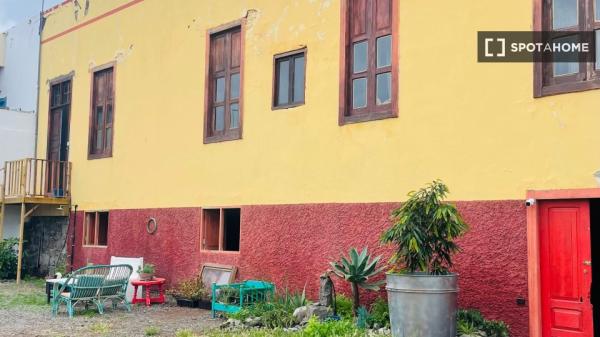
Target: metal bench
[[240, 295]]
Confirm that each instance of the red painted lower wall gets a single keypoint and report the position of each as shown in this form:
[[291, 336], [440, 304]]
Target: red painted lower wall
[[291, 245]]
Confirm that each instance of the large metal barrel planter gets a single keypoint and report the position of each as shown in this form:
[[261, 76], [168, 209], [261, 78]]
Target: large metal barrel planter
[[422, 305]]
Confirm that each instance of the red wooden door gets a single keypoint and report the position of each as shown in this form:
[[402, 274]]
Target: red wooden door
[[566, 271]]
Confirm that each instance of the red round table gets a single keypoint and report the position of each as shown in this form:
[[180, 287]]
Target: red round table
[[157, 282]]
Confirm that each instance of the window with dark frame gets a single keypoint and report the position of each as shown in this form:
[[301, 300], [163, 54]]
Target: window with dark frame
[[60, 105], [370, 76], [567, 17], [223, 114], [95, 230], [290, 73], [221, 229], [102, 114]]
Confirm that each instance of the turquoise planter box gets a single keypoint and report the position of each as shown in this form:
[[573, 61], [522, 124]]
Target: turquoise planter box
[[242, 294]]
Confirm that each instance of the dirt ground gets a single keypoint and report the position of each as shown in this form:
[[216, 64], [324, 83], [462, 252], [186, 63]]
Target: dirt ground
[[23, 312]]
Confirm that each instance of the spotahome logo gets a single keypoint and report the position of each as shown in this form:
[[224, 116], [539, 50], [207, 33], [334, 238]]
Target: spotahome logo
[[524, 46]]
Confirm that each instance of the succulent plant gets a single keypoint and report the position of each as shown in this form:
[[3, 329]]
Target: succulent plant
[[358, 269]]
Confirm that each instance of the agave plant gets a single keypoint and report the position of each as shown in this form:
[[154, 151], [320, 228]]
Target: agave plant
[[358, 269]]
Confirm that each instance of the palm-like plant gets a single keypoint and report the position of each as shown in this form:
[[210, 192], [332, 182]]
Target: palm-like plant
[[424, 231], [358, 269]]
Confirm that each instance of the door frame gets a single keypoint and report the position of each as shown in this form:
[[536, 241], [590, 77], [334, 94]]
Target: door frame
[[533, 247]]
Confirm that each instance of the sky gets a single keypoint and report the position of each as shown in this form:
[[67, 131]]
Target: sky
[[16, 11]]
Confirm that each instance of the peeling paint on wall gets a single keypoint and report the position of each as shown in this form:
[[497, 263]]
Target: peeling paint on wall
[[122, 55], [252, 15]]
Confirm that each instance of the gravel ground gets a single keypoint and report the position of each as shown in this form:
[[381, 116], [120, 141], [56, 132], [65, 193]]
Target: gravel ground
[[23, 312]]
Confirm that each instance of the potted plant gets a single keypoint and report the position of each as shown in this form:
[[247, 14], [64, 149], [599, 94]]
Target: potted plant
[[422, 292], [191, 293], [146, 272]]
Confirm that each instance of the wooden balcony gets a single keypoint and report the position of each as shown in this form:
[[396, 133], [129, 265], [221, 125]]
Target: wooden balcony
[[36, 185], [36, 181]]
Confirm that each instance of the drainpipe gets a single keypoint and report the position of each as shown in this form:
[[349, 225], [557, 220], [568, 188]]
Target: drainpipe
[[73, 238], [39, 74]]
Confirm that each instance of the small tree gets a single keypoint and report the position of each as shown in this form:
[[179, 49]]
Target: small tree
[[357, 270], [424, 231]]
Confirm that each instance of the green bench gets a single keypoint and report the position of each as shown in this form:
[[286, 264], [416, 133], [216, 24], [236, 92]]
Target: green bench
[[230, 298], [97, 284]]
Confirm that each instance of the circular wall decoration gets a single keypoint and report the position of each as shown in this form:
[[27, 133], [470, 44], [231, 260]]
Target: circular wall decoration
[[151, 226]]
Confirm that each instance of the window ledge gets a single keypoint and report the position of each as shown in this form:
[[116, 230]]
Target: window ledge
[[367, 117], [229, 252], [92, 246], [222, 138], [99, 156], [565, 88], [287, 106]]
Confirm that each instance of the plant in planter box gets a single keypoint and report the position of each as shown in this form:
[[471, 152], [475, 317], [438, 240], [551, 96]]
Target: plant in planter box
[[358, 269], [228, 295], [146, 272], [191, 293], [424, 230]]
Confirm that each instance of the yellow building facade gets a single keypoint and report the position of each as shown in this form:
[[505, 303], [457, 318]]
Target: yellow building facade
[[476, 126], [298, 174]]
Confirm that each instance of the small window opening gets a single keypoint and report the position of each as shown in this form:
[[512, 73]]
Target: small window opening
[[211, 229], [96, 229], [221, 229], [231, 226]]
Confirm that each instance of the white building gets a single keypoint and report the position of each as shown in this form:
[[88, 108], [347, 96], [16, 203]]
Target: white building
[[19, 55]]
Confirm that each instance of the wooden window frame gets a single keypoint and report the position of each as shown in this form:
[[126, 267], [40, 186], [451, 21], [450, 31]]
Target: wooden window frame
[[96, 229], [105, 153], [221, 230], [345, 106], [57, 80], [542, 21], [288, 55], [228, 134]]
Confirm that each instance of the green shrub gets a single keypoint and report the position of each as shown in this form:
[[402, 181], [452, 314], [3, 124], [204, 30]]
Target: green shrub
[[471, 316], [343, 306], [470, 321], [362, 317], [292, 300], [100, 328], [278, 317], [254, 333], [380, 313], [315, 328], [496, 329], [151, 331], [465, 328], [192, 289], [8, 258], [184, 333], [278, 313], [273, 314]]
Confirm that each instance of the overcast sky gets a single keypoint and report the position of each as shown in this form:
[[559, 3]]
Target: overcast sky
[[16, 11]]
